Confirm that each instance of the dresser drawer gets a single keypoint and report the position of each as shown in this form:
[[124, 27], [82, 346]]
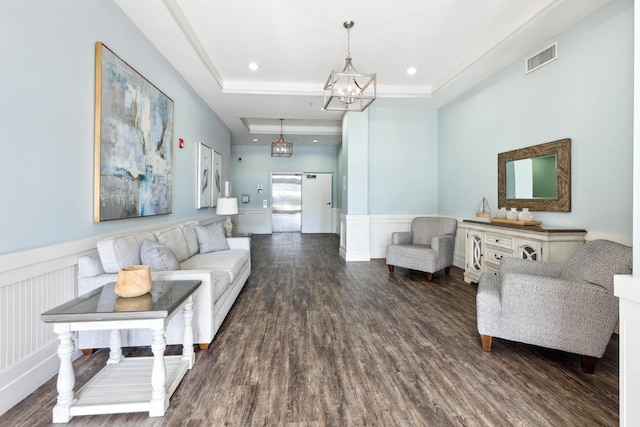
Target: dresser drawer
[[498, 240], [492, 268], [493, 255]]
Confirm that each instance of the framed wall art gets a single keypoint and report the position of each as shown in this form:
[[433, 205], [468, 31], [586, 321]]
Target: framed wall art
[[217, 178], [205, 176], [133, 163]]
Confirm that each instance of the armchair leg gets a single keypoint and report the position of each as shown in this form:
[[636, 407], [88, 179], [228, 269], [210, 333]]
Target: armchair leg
[[447, 270], [486, 342], [589, 364], [429, 276], [390, 268]]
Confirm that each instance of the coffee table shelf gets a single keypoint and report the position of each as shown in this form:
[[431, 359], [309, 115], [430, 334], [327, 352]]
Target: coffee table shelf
[[126, 386]]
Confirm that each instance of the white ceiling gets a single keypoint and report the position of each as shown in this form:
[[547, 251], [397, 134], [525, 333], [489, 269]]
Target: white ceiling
[[453, 44]]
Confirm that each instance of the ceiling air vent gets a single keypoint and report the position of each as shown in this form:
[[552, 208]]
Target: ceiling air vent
[[541, 58]]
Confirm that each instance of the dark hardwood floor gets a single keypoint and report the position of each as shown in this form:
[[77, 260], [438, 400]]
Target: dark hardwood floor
[[315, 341]]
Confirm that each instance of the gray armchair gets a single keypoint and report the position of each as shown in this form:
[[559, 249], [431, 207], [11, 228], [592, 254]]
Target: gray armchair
[[568, 307], [427, 247]]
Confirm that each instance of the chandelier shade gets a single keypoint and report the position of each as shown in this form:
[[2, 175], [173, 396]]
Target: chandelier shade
[[280, 147], [349, 90]]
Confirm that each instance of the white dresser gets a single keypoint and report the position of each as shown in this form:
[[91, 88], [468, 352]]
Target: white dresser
[[486, 243]]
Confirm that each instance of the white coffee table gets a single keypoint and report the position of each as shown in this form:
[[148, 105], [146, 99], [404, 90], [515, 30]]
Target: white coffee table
[[134, 384]]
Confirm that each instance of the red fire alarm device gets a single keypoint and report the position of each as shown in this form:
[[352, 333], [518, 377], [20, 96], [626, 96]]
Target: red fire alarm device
[[180, 142]]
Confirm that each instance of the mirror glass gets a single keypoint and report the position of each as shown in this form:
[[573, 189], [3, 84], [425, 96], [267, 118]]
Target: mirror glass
[[533, 178], [537, 177]]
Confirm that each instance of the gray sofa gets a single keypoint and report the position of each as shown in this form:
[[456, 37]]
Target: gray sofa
[[223, 273]]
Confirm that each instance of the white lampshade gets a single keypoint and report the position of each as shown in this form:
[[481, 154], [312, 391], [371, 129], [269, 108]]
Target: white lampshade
[[227, 206]]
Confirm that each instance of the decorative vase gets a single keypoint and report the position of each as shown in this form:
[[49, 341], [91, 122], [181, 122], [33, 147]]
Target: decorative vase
[[502, 213], [133, 281], [525, 215], [512, 214]]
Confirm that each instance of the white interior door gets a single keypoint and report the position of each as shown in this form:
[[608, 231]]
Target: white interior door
[[316, 202]]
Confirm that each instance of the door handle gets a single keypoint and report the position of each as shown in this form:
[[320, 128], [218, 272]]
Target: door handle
[[329, 203]]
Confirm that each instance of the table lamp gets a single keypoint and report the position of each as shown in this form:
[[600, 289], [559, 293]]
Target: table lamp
[[227, 206]]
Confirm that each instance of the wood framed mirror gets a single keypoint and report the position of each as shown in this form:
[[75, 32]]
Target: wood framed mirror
[[538, 177]]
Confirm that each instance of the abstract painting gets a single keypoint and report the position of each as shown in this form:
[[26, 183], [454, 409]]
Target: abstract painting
[[133, 142], [217, 178], [205, 176]]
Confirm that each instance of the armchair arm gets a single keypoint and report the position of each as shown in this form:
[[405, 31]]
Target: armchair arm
[[401, 238], [443, 245], [527, 266]]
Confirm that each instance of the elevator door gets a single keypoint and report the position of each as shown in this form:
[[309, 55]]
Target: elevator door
[[286, 202]]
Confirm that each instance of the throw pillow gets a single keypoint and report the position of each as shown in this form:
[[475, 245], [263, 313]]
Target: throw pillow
[[158, 257], [211, 238]]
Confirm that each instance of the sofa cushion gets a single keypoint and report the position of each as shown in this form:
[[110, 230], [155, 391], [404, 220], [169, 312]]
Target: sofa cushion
[[191, 238], [174, 238], [158, 257], [211, 238], [121, 251], [232, 262]]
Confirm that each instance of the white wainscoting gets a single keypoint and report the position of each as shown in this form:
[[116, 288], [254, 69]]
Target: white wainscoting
[[335, 221], [32, 282], [355, 237], [253, 221]]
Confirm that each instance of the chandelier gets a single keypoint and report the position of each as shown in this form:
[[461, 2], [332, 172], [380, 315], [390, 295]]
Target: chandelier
[[280, 147], [349, 90]]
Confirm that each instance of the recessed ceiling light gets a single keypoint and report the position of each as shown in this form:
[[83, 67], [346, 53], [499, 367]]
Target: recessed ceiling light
[[315, 140], [253, 66], [255, 140], [411, 71]]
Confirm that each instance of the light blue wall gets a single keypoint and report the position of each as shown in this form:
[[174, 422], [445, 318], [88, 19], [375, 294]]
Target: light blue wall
[[403, 161], [47, 81], [357, 129], [585, 95], [47, 106], [257, 165]]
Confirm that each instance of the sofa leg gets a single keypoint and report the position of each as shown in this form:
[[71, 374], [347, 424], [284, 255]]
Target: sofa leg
[[429, 276], [87, 351], [447, 270], [486, 342], [390, 268], [589, 364], [203, 346]]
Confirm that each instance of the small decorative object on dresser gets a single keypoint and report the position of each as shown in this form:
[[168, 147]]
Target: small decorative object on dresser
[[512, 214], [502, 213], [525, 215], [483, 209]]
